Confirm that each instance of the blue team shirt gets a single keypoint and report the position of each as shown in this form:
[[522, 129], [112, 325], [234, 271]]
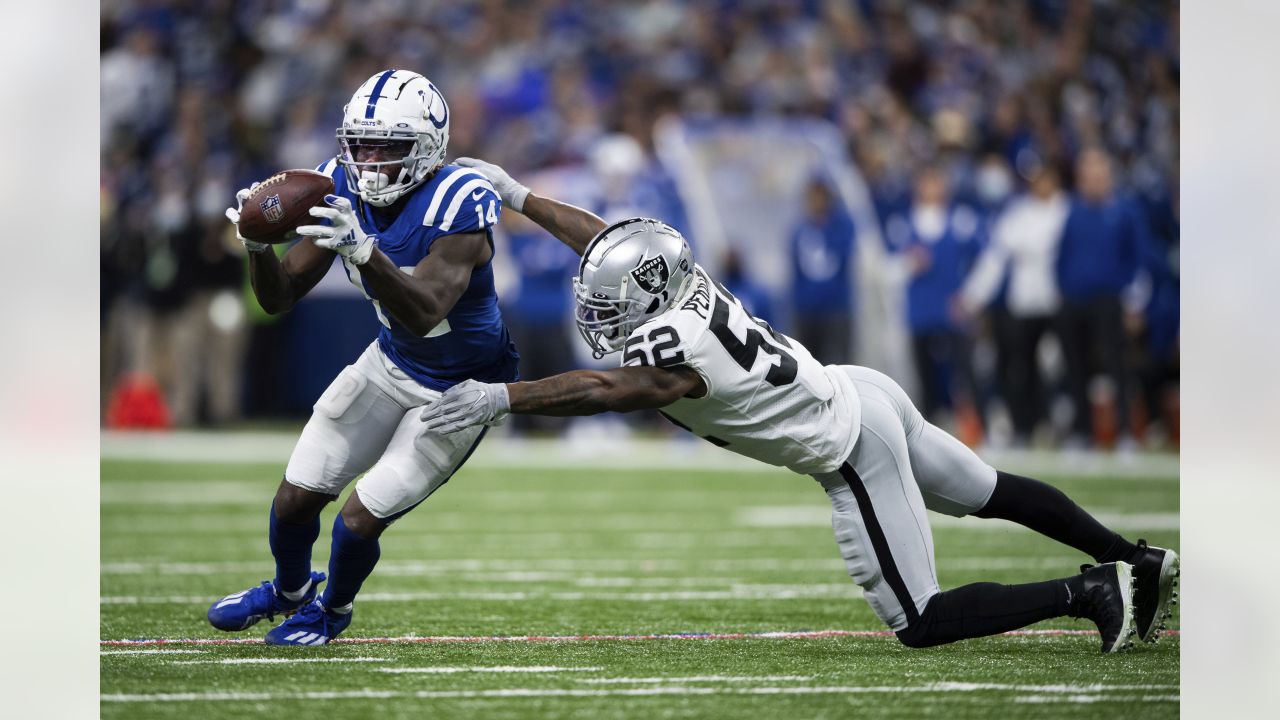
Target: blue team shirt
[[951, 257], [821, 256], [1102, 245], [472, 341]]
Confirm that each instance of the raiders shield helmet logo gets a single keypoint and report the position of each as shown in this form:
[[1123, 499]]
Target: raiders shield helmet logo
[[652, 274], [272, 209]]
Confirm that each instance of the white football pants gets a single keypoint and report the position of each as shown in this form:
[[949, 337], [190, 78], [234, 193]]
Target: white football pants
[[899, 466], [368, 418]]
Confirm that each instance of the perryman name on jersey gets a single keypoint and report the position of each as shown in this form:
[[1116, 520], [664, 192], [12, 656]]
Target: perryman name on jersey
[[471, 341], [767, 397]]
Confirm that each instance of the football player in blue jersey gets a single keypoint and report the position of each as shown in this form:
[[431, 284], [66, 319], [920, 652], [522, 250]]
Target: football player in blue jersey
[[414, 234]]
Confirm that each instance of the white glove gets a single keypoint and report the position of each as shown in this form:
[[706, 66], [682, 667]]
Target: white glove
[[466, 404], [233, 214], [344, 236], [511, 192]]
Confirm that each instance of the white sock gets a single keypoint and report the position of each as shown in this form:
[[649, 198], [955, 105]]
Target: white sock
[[344, 610], [296, 595]]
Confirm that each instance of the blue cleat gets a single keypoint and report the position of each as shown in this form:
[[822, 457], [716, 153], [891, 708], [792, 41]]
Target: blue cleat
[[238, 611], [312, 625]]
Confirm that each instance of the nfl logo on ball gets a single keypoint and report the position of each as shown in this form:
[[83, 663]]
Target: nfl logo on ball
[[272, 210]]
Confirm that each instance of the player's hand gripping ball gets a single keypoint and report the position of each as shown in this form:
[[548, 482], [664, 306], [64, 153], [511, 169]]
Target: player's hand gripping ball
[[271, 211], [343, 234]]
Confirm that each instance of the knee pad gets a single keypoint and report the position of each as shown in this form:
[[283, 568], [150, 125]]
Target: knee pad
[[855, 548]]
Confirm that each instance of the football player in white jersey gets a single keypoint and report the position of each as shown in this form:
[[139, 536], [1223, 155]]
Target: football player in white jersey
[[690, 350]]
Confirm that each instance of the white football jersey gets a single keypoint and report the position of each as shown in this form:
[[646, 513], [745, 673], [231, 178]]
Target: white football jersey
[[767, 398]]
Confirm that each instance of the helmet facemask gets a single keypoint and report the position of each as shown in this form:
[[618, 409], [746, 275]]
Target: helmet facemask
[[606, 322], [383, 182]]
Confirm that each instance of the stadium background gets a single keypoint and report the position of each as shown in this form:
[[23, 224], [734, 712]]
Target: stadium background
[[792, 143], [732, 120]]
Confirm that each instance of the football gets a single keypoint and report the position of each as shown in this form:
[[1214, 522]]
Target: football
[[280, 204]]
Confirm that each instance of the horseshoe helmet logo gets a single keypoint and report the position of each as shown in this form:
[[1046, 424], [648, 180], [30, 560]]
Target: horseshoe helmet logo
[[432, 106]]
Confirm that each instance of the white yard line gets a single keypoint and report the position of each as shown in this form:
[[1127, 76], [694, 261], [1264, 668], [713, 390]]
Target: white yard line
[[742, 592], [1086, 699], [281, 661], [681, 636], [496, 669], [693, 679], [638, 454], [1069, 690], [579, 571], [152, 652], [785, 516]]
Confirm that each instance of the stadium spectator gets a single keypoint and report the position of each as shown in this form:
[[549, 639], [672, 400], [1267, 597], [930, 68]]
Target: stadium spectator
[[1023, 249], [940, 244], [822, 259], [540, 84], [1102, 244], [1158, 357]]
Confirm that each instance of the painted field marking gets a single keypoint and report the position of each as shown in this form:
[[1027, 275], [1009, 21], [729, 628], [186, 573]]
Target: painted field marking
[[498, 453], [694, 678], [578, 571], [208, 492], [1071, 690], [1085, 699], [813, 591], [784, 516], [152, 652], [281, 661], [776, 635], [495, 669]]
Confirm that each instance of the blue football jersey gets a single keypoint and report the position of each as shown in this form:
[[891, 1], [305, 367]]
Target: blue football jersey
[[472, 341]]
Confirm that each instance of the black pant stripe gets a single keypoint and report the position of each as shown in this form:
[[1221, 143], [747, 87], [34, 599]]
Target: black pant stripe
[[879, 544]]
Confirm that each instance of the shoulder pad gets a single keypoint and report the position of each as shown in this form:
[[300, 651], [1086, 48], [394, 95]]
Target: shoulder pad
[[464, 201], [328, 167]]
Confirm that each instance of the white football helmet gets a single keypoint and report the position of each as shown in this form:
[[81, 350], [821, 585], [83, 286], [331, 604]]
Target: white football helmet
[[630, 273], [404, 113]]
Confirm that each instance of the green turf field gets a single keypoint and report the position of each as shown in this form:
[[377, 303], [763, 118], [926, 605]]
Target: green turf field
[[554, 551]]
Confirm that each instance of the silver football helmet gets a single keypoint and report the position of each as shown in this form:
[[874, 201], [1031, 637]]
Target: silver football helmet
[[630, 273], [405, 116]]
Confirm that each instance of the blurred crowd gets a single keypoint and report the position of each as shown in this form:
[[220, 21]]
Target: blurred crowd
[[1022, 160]]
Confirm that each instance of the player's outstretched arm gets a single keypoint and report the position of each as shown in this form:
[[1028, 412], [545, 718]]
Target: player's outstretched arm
[[579, 392], [587, 392], [570, 224]]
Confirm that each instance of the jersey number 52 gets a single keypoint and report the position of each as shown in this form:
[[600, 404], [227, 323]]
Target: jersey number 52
[[655, 349]]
